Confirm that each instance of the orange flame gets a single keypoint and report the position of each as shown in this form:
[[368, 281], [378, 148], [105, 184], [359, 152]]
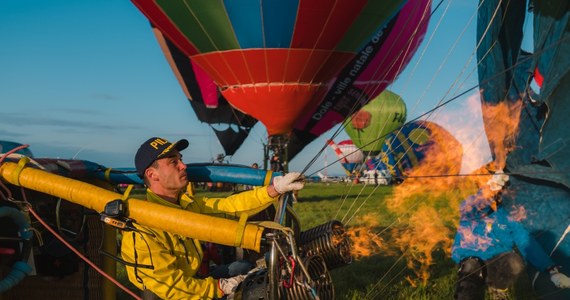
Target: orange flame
[[427, 202], [364, 241], [501, 124], [425, 233], [429, 205]]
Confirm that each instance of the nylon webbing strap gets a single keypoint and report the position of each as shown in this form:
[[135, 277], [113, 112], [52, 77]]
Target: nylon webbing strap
[[267, 179], [21, 164], [108, 174], [274, 225], [127, 192], [240, 229]]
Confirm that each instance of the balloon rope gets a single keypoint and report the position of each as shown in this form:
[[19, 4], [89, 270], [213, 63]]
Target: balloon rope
[[424, 19], [315, 46], [355, 105], [79, 254], [439, 105], [359, 100], [207, 34], [353, 203], [444, 103], [371, 290], [430, 114], [372, 87]]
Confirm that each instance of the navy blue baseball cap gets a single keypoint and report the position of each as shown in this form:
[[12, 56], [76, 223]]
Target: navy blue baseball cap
[[153, 149]]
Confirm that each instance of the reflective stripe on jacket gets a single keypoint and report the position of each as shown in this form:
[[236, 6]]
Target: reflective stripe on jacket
[[177, 259]]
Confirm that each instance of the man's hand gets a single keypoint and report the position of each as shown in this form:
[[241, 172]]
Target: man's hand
[[498, 180], [560, 280], [228, 285], [290, 182]]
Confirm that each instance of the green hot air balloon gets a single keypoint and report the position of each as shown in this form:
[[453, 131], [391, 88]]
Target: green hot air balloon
[[368, 127]]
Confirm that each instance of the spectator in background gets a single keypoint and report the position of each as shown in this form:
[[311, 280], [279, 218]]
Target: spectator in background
[[375, 177], [276, 164]]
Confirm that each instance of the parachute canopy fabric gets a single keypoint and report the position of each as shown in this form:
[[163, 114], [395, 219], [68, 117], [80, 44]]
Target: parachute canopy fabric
[[368, 127], [206, 100], [376, 66], [540, 83], [270, 58], [419, 143]]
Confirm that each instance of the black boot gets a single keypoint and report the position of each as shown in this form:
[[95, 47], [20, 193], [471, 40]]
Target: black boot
[[471, 280]]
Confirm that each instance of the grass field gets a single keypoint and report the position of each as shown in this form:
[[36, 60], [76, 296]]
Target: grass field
[[383, 274], [380, 275]]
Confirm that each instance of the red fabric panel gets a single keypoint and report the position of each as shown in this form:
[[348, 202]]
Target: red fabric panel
[[277, 106], [236, 67], [538, 77], [321, 25]]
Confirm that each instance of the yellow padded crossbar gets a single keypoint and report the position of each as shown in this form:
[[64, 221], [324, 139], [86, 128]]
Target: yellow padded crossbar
[[185, 223]]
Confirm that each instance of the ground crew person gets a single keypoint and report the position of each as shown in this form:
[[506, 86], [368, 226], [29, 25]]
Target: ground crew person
[[177, 259]]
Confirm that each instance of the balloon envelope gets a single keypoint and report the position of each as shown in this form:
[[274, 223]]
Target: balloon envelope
[[349, 155], [351, 152], [368, 127], [377, 65], [420, 143], [230, 125], [270, 58]]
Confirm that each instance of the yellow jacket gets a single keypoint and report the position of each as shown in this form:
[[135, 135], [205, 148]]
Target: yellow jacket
[[176, 259]]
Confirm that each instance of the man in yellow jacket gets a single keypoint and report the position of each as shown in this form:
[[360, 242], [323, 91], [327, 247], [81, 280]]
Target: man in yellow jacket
[[175, 259]]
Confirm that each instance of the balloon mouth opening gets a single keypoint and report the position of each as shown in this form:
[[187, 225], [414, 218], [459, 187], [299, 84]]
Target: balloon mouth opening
[[288, 85]]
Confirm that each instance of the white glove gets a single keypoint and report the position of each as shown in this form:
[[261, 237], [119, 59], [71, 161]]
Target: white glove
[[229, 285], [560, 280], [290, 182], [498, 180]]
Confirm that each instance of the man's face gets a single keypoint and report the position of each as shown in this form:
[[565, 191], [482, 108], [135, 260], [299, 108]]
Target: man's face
[[170, 172]]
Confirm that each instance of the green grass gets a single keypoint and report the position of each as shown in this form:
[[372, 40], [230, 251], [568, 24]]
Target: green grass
[[381, 275], [378, 276]]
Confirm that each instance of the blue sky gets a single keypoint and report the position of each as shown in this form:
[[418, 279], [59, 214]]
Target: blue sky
[[87, 80]]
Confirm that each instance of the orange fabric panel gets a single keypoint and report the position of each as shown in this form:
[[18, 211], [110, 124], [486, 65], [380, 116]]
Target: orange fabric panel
[[277, 106]]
